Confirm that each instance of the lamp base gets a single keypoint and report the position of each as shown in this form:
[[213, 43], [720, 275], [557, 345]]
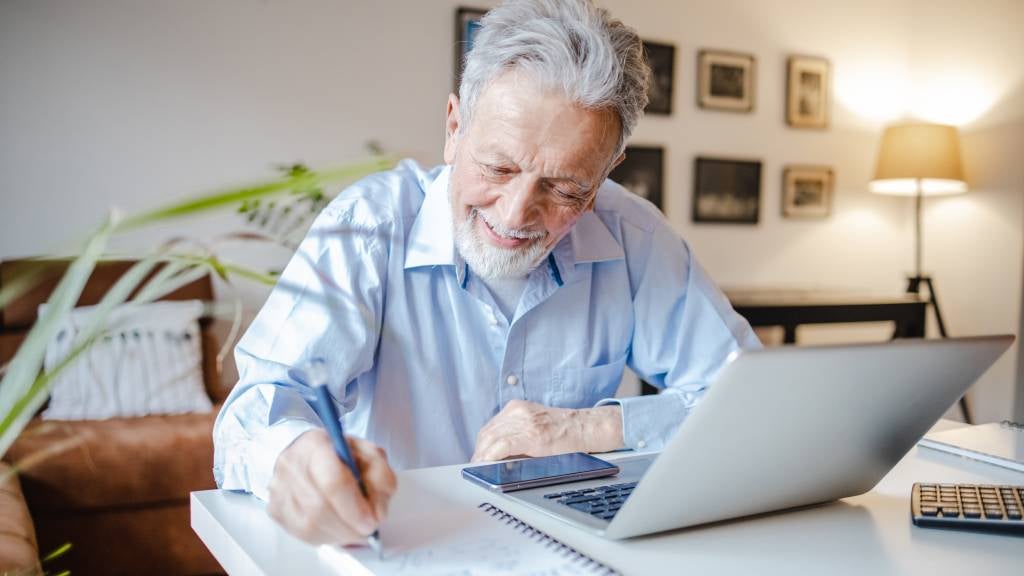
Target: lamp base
[[914, 284]]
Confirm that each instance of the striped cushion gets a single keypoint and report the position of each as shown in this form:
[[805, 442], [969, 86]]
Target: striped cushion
[[148, 361]]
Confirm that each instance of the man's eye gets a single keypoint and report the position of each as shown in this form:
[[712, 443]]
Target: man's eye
[[568, 196]]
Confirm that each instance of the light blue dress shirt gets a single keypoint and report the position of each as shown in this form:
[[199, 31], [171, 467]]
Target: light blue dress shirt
[[421, 357]]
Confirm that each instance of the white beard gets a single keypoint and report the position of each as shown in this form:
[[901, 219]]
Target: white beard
[[492, 262]]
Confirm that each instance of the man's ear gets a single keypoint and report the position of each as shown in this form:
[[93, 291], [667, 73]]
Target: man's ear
[[590, 205], [451, 129], [617, 161]]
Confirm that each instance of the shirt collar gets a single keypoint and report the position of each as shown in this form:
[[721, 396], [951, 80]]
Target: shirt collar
[[593, 242], [431, 239], [588, 241]]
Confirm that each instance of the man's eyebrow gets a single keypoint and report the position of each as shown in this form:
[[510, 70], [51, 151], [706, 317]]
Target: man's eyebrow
[[491, 157], [571, 179]]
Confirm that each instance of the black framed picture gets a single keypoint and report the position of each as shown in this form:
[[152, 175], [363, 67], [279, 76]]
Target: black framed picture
[[726, 191], [662, 58], [725, 80], [641, 172], [807, 92], [467, 22], [807, 191]]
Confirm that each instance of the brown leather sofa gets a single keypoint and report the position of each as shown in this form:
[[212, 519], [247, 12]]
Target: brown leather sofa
[[118, 489], [19, 553]]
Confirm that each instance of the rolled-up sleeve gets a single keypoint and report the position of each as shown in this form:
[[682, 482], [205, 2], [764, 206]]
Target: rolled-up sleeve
[[685, 332], [327, 305]]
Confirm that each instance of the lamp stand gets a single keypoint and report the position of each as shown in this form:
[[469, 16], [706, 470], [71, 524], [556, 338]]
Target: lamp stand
[[914, 287]]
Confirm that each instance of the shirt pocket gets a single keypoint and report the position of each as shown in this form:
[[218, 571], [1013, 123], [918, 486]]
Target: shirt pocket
[[583, 387]]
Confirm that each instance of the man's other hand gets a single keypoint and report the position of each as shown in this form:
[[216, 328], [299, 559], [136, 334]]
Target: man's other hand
[[529, 429], [314, 496]]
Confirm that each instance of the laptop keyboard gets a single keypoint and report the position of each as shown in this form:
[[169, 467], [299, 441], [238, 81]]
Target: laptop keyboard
[[602, 501]]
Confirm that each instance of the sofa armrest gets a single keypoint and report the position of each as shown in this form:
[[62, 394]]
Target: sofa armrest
[[19, 553]]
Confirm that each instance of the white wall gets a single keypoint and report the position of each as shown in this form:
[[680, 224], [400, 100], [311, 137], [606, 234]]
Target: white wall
[[132, 103], [967, 71]]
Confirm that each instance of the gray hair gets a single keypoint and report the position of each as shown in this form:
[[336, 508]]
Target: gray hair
[[569, 45]]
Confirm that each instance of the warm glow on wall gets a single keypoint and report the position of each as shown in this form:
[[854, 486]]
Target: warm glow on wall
[[955, 99], [878, 91], [883, 92]]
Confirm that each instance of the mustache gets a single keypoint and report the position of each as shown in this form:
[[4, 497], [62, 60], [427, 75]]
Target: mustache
[[522, 234]]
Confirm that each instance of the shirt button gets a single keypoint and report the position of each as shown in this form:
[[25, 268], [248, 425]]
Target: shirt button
[[512, 380], [641, 444]]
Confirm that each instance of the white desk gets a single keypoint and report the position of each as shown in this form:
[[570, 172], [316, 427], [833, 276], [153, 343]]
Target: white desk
[[868, 534]]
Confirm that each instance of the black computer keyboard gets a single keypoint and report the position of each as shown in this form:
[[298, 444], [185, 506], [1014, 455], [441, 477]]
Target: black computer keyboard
[[602, 501], [972, 506]]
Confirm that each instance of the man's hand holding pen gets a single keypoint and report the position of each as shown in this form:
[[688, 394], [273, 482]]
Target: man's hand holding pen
[[315, 496]]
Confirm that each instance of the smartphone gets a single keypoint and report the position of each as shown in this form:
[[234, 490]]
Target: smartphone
[[534, 472]]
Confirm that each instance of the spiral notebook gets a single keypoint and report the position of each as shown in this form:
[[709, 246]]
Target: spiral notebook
[[482, 540], [1000, 444]]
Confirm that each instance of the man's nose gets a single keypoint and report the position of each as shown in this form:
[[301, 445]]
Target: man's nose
[[519, 204]]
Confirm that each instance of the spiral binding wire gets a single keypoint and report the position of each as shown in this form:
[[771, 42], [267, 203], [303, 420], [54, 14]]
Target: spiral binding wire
[[547, 541]]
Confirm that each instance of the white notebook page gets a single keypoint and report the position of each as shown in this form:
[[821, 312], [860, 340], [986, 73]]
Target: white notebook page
[[463, 541]]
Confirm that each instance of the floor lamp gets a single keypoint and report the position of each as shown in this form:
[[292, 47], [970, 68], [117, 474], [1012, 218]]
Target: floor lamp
[[921, 160]]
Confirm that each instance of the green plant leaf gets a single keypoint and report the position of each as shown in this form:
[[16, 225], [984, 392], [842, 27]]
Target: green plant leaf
[[22, 370], [23, 388], [34, 387], [60, 551], [234, 196], [175, 274]]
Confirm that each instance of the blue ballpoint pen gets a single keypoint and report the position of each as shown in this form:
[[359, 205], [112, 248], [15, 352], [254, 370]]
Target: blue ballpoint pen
[[329, 415]]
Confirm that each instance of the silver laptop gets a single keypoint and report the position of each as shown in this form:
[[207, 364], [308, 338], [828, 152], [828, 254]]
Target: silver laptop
[[779, 428]]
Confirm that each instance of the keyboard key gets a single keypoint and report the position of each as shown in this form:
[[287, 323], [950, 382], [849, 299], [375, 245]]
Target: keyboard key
[[929, 510], [994, 513], [972, 512], [579, 499]]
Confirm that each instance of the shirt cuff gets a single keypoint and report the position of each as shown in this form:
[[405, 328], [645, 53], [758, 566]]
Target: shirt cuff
[[263, 453], [648, 422]]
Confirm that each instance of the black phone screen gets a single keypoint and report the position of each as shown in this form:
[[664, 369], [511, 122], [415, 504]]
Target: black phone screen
[[537, 468]]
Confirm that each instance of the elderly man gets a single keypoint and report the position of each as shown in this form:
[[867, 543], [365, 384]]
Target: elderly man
[[486, 308]]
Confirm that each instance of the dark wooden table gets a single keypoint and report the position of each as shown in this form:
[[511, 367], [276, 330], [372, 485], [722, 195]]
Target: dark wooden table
[[791, 308]]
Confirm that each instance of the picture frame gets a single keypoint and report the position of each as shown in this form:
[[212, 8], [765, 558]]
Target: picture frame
[[642, 173], [726, 191], [808, 92], [662, 59], [467, 22], [807, 191], [726, 80]]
